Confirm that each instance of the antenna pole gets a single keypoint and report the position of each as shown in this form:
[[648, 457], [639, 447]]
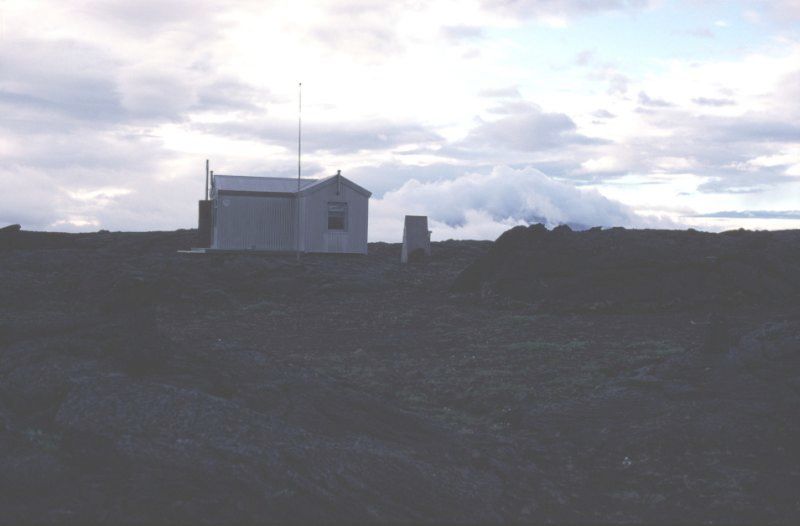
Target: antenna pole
[[206, 179], [299, 128], [299, 152]]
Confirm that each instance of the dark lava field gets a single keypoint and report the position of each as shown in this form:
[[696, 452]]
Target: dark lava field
[[604, 376]]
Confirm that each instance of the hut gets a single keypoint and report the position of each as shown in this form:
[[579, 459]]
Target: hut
[[286, 214]]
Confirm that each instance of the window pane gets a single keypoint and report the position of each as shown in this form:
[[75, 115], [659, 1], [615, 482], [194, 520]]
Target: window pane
[[337, 216]]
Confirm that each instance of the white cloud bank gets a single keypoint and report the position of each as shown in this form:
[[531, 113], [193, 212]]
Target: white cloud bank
[[482, 206]]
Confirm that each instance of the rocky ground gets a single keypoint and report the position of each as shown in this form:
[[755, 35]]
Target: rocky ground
[[491, 383]]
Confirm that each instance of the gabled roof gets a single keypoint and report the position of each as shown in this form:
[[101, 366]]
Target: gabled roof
[[280, 185], [319, 183]]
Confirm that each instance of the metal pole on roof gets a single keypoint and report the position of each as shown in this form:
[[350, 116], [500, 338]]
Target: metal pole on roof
[[299, 128], [299, 151], [206, 179]]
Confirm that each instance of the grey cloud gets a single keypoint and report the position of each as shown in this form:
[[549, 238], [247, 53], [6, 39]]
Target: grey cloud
[[471, 54], [709, 101], [782, 11], [88, 156], [27, 114], [714, 147], [526, 128], [514, 107], [603, 114], [563, 167], [50, 85], [391, 176], [164, 95], [366, 28], [617, 82], [44, 170], [462, 32], [344, 137], [584, 57], [372, 40], [789, 92], [754, 214], [700, 32], [534, 8], [29, 198], [744, 182], [510, 92], [156, 95], [749, 129], [173, 206], [355, 8], [230, 95], [646, 101], [194, 19], [65, 76]]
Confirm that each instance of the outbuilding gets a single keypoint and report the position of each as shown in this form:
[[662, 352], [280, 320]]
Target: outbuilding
[[269, 213]]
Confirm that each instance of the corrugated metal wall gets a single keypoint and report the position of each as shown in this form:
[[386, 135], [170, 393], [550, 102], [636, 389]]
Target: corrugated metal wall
[[260, 223], [314, 211]]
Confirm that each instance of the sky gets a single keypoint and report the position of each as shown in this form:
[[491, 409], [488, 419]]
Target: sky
[[480, 114]]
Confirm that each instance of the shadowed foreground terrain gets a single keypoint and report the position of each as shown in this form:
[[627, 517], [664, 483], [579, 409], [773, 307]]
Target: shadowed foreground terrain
[[610, 376]]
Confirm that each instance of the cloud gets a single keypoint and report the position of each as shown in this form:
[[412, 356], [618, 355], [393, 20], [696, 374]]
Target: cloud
[[510, 92], [145, 19], [710, 101], [782, 11], [229, 94], [716, 138], [716, 148], [525, 128], [603, 114], [746, 182], [367, 30], [104, 96], [68, 84], [700, 32], [561, 8], [385, 177], [648, 102], [617, 81], [754, 214], [28, 198], [483, 205], [343, 137], [749, 128], [60, 78], [359, 39], [462, 32], [584, 57], [158, 95]]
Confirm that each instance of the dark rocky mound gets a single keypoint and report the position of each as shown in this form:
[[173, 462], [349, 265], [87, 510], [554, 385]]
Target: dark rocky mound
[[619, 268]]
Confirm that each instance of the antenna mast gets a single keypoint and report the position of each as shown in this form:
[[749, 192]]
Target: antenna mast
[[299, 150], [299, 128]]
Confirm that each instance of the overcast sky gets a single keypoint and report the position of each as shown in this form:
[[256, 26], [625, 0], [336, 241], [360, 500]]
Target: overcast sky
[[482, 114]]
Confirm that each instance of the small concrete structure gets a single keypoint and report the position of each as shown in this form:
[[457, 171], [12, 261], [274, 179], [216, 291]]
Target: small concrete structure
[[416, 237]]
